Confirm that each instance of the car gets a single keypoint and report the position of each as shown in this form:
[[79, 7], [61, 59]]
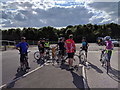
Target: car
[[115, 42]]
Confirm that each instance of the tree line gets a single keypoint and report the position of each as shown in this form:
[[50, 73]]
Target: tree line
[[91, 32]]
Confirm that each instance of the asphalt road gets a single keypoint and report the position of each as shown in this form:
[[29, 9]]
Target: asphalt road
[[97, 76], [49, 76]]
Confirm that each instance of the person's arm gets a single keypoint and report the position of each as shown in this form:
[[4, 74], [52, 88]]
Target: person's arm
[[17, 46], [74, 46]]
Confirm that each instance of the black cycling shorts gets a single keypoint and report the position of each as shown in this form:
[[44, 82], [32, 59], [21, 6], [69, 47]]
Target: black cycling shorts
[[86, 50], [62, 52], [22, 57], [70, 55], [41, 50], [109, 55]]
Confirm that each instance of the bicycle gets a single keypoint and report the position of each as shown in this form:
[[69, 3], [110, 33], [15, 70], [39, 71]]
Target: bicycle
[[76, 61], [46, 56], [23, 66], [82, 56], [104, 59], [60, 57]]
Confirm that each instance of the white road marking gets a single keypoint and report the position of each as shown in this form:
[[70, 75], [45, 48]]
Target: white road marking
[[22, 76], [3, 86], [32, 71], [84, 78]]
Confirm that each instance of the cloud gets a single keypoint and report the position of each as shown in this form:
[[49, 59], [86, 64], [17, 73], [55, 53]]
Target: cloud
[[57, 13], [107, 10]]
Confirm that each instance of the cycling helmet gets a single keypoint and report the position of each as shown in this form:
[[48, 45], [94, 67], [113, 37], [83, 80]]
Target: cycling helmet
[[23, 38], [107, 38], [70, 36]]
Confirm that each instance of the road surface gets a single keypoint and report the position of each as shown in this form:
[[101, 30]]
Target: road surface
[[48, 76]]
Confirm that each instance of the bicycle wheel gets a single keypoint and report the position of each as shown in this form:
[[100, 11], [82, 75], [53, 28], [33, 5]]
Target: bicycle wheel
[[76, 61], [37, 55], [82, 58]]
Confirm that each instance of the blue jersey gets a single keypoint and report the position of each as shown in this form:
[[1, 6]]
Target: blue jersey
[[84, 45], [23, 47]]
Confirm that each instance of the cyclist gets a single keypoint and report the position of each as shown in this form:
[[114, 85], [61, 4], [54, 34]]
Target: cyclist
[[85, 45], [61, 47], [41, 47], [70, 49], [47, 45], [23, 47], [109, 48]]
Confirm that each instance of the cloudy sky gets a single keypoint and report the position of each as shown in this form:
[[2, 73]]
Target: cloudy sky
[[57, 13]]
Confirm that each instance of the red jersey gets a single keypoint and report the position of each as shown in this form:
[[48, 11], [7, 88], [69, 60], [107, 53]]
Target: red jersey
[[70, 46]]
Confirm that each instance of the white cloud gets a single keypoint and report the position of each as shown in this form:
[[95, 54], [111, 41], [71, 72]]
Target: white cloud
[[109, 11], [57, 13]]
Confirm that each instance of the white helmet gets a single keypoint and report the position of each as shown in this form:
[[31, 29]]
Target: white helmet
[[107, 38]]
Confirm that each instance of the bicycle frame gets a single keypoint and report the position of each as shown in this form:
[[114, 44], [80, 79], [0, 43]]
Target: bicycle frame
[[23, 65], [104, 59]]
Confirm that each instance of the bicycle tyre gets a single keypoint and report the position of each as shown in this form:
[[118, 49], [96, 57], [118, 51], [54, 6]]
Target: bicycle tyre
[[37, 55], [77, 59], [82, 58]]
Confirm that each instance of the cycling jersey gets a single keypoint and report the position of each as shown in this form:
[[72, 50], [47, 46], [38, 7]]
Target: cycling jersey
[[109, 45], [23, 47], [47, 44], [61, 45], [70, 46], [41, 43], [84, 45]]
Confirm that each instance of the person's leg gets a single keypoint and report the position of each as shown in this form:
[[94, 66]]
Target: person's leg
[[42, 52], [27, 64], [109, 57], [71, 59], [86, 53], [21, 60]]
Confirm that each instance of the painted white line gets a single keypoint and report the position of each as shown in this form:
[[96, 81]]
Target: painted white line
[[3, 86], [33, 71], [22, 76], [84, 78]]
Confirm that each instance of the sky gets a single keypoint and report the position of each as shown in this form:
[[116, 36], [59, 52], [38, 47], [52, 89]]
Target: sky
[[57, 13]]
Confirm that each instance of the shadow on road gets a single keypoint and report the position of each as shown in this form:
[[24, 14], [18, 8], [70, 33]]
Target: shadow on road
[[40, 62], [96, 68], [64, 66], [77, 80], [17, 75], [114, 74]]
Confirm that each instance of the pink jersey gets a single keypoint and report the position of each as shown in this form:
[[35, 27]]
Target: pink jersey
[[109, 45], [70, 46]]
